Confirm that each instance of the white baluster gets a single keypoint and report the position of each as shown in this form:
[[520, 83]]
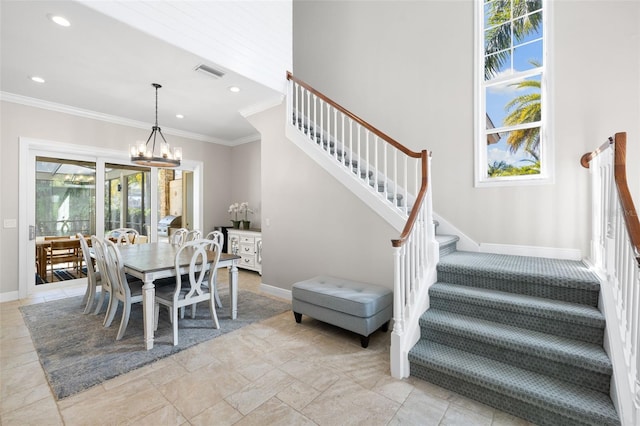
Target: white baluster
[[376, 166], [395, 173], [344, 149], [350, 165]]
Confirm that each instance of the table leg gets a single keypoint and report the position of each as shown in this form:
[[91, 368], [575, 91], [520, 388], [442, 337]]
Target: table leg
[[148, 302], [41, 258], [233, 289]]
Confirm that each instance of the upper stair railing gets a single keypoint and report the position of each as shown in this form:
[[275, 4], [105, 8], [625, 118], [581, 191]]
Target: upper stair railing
[[615, 252], [373, 164]]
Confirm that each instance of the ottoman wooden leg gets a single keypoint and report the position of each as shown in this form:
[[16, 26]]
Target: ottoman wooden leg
[[298, 317], [385, 326], [364, 341]]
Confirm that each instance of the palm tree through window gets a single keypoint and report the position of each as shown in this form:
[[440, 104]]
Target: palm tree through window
[[512, 87]]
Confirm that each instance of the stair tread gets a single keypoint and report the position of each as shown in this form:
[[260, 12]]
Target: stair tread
[[540, 390], [589, 356], [535, 306], [563, 273], [444, 239]]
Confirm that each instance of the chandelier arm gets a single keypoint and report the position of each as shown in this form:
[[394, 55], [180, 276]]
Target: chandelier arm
[[160, 131]]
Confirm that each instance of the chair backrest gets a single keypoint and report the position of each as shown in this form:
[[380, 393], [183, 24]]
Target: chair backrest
[[215, 247], [123, 236], [202, 251], [64, 251], [98, 246], [178, 237], [216, 236], [84, 246], [115, 270], [192, 235]]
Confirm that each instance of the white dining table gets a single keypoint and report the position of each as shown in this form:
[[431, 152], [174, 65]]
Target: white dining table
[[153, 261]]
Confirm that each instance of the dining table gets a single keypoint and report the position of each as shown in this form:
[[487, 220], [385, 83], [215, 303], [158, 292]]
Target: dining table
[[42, 247], [152, 261]]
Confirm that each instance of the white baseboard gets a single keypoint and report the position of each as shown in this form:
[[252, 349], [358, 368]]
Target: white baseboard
[[447, 228], [9, 296], [549, 252], [467, 244], [276, 291]]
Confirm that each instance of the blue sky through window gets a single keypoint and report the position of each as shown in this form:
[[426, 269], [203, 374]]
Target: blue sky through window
[[521, 54]]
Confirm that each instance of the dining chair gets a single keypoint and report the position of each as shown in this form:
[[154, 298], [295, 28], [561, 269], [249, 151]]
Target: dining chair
[[127, 292], [94, 278], [107, 286], [63, 251], [178, 237], [218, 237], [194, 289], [192, 235], [123, 236]]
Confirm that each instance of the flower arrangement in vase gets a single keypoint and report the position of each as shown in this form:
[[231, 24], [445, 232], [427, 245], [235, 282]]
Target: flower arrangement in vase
[[234, 209], [244, 209]]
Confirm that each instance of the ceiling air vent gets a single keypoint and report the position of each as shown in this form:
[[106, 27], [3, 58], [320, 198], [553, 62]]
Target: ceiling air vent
[[210, 71]]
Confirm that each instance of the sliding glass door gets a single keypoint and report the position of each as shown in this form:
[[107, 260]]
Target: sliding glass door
[[65, 197], [127, 201]]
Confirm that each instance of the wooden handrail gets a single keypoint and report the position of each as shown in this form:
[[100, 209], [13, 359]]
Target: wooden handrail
[[628, 209], [355, 118], [419, 200], [423, 155], [631, 221], [586, 158]]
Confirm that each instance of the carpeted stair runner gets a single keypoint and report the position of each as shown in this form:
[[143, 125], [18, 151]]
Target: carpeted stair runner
[[521, 334]]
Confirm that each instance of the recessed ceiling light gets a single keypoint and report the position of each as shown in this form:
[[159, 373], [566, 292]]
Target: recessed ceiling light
[[179, 116], [37, 79], [60, 20], [234, 89]]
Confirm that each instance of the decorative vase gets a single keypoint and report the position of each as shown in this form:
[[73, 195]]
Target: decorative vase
[[236, 224], [246, 224]]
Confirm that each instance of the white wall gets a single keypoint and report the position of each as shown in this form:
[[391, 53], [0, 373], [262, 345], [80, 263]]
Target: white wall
[[311, 224], [245, 175], [23, 121], [407, 68]]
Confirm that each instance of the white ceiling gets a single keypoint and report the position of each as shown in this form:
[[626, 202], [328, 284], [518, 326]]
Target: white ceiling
[[101, 65]]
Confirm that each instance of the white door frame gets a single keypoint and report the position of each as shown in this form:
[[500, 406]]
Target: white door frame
[[31, 148]]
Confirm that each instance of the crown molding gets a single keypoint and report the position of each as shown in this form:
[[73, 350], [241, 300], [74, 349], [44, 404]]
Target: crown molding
[[79, 112], [261, 106], [247, 139]]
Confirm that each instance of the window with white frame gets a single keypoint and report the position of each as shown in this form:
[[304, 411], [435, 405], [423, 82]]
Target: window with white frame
[[511, 145]]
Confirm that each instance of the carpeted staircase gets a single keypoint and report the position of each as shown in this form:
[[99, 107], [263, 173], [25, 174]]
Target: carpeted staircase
[[521, 334]]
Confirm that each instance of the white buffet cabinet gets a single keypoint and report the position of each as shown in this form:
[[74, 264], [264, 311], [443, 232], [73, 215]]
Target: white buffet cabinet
[[246, 243]]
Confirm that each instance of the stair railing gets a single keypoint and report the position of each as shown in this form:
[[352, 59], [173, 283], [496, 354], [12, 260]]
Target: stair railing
[[397, 174], [381, 164], [615, 253]]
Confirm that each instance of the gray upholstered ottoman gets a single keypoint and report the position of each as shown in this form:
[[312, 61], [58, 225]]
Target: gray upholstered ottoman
[[355, 306]]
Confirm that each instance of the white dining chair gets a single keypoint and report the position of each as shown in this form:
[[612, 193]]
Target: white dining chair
[[127, 292], [193, 290], [94, 278], [218, 237], [178, 237], [192, 235], [123, 236], [107, 287]]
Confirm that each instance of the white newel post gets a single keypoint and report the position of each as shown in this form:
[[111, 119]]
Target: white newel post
[[637, 348], [398, 356]]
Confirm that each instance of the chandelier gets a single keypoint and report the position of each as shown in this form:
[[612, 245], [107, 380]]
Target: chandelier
[[142, 155]]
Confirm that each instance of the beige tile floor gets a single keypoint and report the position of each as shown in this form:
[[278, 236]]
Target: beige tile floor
[[275, 372]]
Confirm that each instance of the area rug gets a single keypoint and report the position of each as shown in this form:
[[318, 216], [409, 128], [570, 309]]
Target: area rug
[[77, 352]]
